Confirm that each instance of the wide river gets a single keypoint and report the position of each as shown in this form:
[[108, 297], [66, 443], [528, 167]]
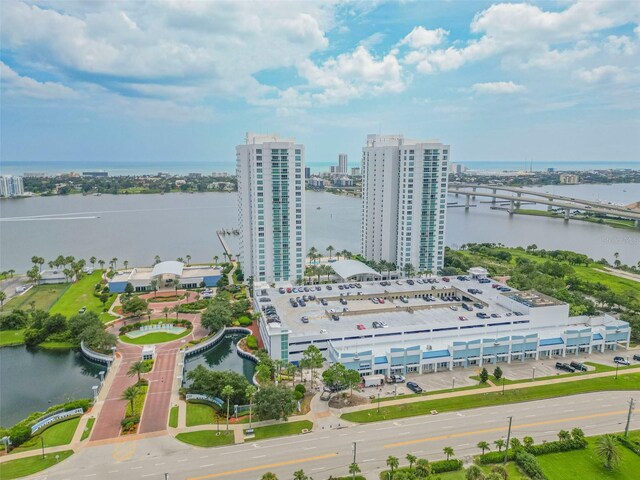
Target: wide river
[[138, 227]]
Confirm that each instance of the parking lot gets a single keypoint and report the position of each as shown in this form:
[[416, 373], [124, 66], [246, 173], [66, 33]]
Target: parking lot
[[529, 369]]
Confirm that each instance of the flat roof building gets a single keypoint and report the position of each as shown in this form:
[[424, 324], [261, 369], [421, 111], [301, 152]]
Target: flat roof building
[[11, 186], [167, 274], [421, 325], [271, 207]]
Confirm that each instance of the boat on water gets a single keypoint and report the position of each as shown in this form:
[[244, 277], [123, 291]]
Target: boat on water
[[318, 208]]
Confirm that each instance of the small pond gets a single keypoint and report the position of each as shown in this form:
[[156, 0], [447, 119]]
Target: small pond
[[33, 379], [223, 357]]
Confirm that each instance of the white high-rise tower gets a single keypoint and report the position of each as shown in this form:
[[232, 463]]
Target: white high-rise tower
[[342, 162], [404, 189], [271, 207]]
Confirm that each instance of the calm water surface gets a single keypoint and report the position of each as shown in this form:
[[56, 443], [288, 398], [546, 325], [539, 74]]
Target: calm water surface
[[223, 357], [138, 227], [35, 379]]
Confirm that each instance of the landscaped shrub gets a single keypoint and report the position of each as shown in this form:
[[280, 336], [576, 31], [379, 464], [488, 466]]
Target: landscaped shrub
[[301, 388], [19, 434], [252, 342], [194, 306], [558, 446], [633, 445], [134, 419], [442, 466], [245, 321], [529, 465]]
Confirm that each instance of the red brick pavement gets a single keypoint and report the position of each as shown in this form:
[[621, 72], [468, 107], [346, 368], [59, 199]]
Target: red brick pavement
[[113, 410], [156, 408]]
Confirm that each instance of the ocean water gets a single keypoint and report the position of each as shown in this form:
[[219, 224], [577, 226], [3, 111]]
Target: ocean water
[[183, 167]]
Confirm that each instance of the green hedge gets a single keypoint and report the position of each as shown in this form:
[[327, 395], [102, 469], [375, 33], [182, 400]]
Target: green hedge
[[252, 342], [442, 466], [195, 306], [245, 321], [529, 465], [540, 449], [633, 445]]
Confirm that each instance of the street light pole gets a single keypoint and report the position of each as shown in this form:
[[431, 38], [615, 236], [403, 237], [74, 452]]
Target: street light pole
[[506, 450], [453, 383], [533, 375], [617, 365], [502, 385], [42, 443], [378, 401], [354, 459]]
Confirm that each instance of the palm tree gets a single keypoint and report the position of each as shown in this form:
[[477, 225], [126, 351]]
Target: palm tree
[[500, 444], [149, 312], [411, 459], [330, 249], [114, 261], [180, 259], [154, 287], [474, 472], [269, 476], [92, 261], [11, 271], [563, 435], [3, 297], [101, 263], [423, 469], [175, 309], [137, 368], [130, 394], [156, 259], [354, 469], [263, 371], [483, 446], [312, 254], [448, 451], [392, 463], [300, 475], [188, 257], [215, 259], [250, 393], [227, 391], [607, 450]]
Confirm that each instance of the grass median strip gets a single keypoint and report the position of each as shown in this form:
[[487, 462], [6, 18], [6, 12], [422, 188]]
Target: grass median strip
[[30, 465], [173, 417], [623, 382], [88, 428], [207, 438], [281, 429]]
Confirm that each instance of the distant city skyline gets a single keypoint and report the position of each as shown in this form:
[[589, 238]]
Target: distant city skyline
[[182, 82]]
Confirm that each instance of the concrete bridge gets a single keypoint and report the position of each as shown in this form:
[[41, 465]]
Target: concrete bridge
[[517, 196]]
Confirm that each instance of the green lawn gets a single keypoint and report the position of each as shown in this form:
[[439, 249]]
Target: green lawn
[[618, 223], [54, 436], [88, 428], [44, 297], [155, 337], [586, 464], [282, 429], [207, 438], [11, 337], [80, 294], [198, 414], [618, 285], [30, 465], [173, 417], [629, 381]]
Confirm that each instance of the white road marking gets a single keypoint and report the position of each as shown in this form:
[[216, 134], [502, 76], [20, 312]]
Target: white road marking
[[150, 475], [158, 464], [207, 465], [183, 460], [91, 475], [259, 456], [204, 456], [309, 448], [136, 468]]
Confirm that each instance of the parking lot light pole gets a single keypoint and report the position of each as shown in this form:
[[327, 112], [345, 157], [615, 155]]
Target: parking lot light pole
[[502, 385], [617, 365], [378, 401], [533, 374], [453, 383]]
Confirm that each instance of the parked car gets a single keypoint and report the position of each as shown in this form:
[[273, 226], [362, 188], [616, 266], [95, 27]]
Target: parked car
[[463, 318], [495, 315], [335, 317], [375, 300], [445, 279], [381, 300], [467, 307], [395, 379], [82, 310], [404, 299], [361, 327], [621, 361], [636, 357], [329, 287], [410, 282], [324, 302], [579, 366], [565, 367], [281, 290], [454, 308], [414, 387], [304, 319], [343, 301]]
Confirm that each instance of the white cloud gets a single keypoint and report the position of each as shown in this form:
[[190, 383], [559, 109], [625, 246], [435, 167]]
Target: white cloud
[[352, 75], [527, 36], [13, 83], [372, 40], [420, 37], [497, 88], [621, 45], [602, 74]]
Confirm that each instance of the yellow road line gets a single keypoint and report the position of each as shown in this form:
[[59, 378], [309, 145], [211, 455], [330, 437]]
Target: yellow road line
[[498, 429], [265, 467]]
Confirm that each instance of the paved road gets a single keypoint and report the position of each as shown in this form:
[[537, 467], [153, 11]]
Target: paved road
[[156, 410], [328, 452]]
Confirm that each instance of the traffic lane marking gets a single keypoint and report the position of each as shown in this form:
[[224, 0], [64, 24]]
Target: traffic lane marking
[[498, 429], [265, 467]]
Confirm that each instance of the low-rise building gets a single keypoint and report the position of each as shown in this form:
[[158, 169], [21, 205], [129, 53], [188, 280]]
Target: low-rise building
[[569, 179], [166, 274], [427, 324], [317, 182], [50, 277]]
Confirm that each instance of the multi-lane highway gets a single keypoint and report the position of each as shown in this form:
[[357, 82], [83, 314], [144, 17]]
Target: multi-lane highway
[[329, 452]]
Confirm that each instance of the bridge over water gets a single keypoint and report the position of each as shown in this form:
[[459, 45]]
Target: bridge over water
[[517, 196]]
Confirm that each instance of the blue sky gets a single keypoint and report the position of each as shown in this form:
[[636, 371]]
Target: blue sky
[[175, 81]]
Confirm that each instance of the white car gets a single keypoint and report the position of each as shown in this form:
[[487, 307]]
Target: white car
[[323, 331], [454, 308]]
